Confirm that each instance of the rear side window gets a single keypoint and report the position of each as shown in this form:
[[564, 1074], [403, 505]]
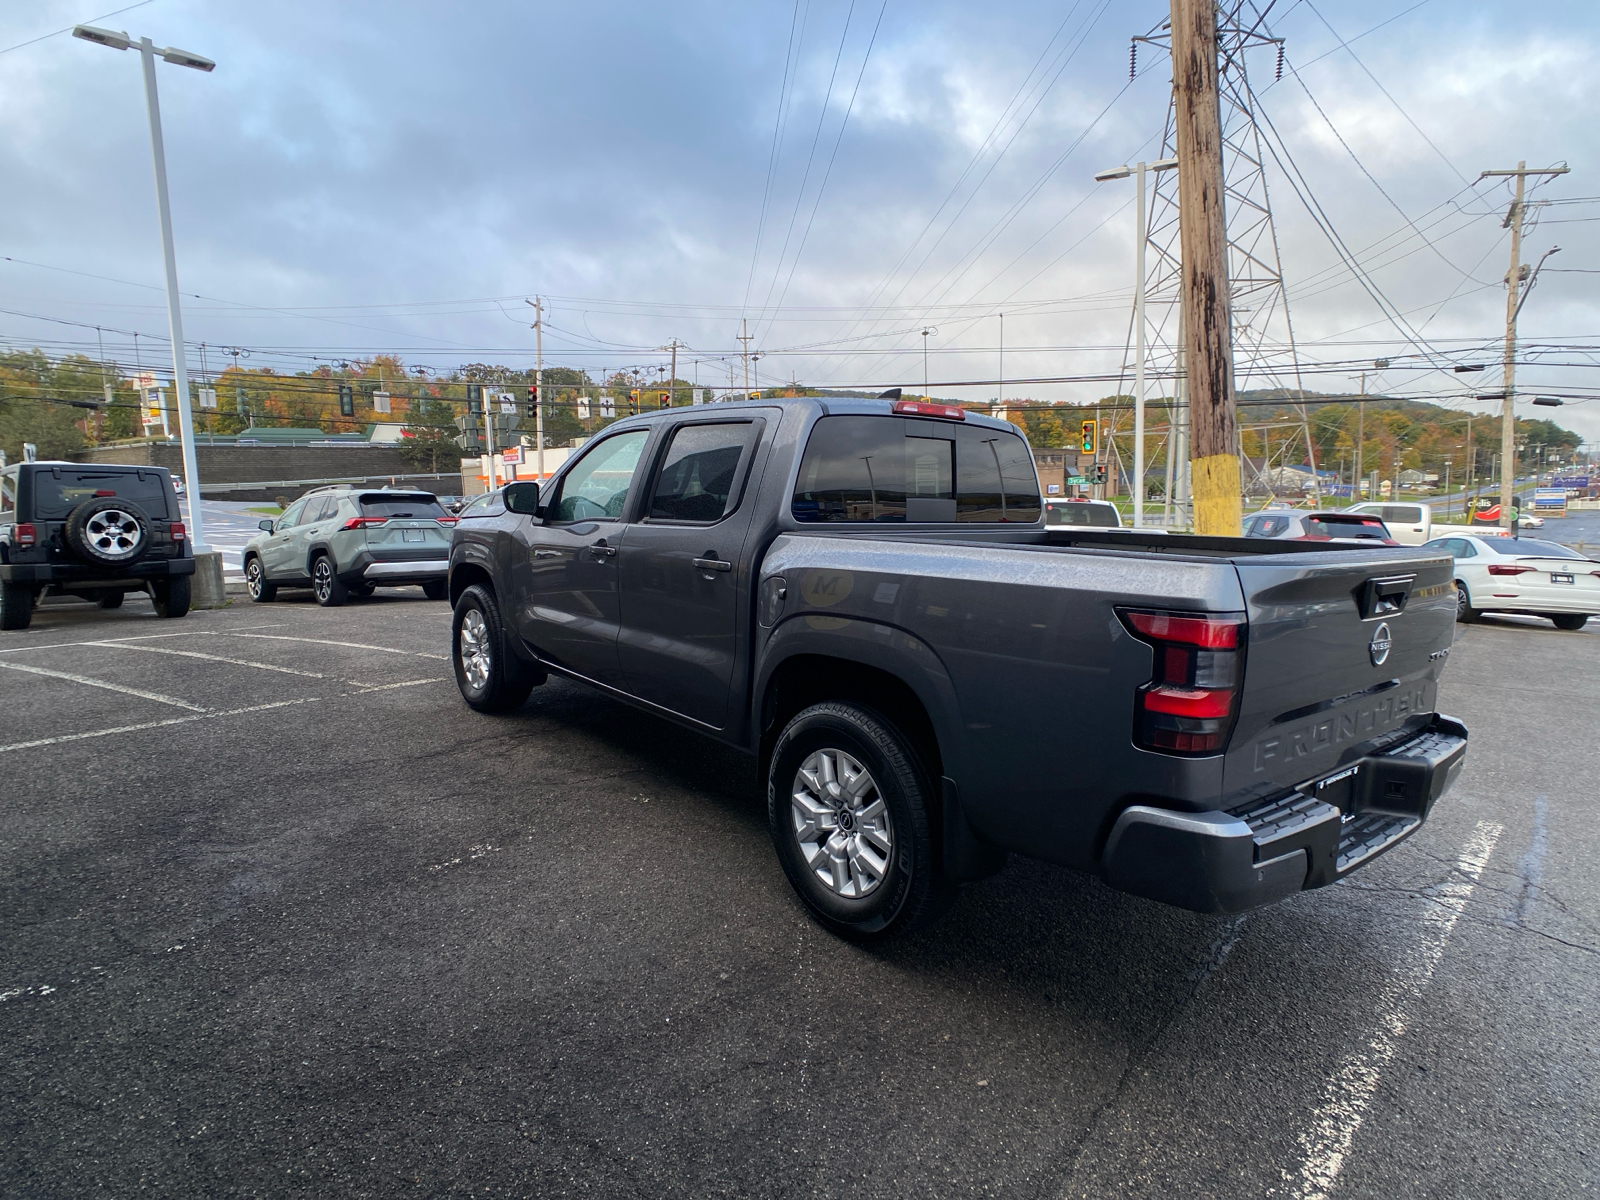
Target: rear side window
[[1521, 547], [1402, 514], [897, 469], [700, 472], [8, 493], [387, 504], [57, 491], [1098, 515]]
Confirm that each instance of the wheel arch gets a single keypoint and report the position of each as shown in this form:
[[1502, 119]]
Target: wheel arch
[[463, 574]]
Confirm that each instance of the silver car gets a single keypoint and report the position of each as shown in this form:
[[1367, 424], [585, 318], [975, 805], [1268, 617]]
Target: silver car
[[342, 541]]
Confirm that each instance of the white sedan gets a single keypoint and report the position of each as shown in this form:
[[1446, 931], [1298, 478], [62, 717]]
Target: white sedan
[[1529, 576]]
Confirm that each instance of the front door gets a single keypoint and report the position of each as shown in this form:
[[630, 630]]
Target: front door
[[277, 550], [681, 573], [567, 607]]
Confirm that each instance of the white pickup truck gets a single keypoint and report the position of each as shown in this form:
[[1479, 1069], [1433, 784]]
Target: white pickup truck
[[1409, 524]]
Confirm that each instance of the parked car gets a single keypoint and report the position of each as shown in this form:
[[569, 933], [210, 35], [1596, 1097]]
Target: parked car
[[1522, 575], [342, 541], [1097, 513], [1318, 526], [1408, 524], [91, 531], [864, 595]]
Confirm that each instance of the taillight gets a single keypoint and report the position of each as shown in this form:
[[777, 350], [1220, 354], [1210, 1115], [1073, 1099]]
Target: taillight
[[177, 530], [918, 408], [363, 522], [1188, 705], [1508, 569], [25, 535], [447, 520]]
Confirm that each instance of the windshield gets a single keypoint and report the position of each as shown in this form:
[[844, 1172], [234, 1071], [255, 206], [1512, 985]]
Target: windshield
[[423, 504], [1340, 526], [1524, 547], [58, 491]]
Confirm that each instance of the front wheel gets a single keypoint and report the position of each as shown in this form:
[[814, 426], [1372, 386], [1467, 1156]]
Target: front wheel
[[331, 593], [1571, 622], [1465, 613], [171, 596], [491, 679], [850, 811], [255, 582]]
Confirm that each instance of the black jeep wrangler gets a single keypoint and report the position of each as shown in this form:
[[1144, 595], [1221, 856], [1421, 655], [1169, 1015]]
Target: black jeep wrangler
[[91, 531]]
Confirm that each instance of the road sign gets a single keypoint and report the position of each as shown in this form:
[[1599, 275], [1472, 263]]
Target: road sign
[[608, 407], [208, 397], [511, 455], [508, 402], [380, 402], [583, 407], [699, 396], [1577, 483], [1551, 501]]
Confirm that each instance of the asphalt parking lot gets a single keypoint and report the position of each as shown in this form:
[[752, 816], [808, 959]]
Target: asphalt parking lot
[[280, 916]]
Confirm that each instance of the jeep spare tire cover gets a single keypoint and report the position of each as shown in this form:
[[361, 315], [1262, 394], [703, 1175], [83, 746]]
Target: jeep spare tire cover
[[108, 531]]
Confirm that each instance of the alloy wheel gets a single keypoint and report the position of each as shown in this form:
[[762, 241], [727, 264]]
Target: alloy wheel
[[842, 823], [322, 578], [253, 578], [113, 533], [473, 645]]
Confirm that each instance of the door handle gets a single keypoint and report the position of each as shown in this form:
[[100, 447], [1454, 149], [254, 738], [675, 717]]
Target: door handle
[[603, 550], [713, 564], [546, 553]]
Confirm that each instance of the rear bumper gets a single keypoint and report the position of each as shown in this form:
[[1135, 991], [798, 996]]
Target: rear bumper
[[402, 572], [83, 575], [1229, 862]]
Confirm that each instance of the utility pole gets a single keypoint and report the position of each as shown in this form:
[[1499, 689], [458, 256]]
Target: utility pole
[[1515, 294], [744, 353], [1214, 461], [538, 382], [672, 388]]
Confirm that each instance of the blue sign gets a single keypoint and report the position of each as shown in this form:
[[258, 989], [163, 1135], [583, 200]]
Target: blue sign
[[1575, 482]]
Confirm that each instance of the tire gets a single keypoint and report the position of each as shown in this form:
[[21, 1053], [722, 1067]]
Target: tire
[[363, 590], [870, 892], [1572, 622], [436, 589], [171, 596], [255, 582], [108, 532], [490, 678], [110, 600], [16, 606], [1465, 613], [331, 593]]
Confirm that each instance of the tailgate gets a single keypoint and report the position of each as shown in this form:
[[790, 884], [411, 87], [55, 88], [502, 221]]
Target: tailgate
[[405, 538], [1342, 648]]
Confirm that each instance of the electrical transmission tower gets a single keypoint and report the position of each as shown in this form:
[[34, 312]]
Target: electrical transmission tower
[[1262, 335]]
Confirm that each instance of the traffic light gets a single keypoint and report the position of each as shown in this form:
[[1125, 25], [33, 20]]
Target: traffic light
[[633, 402], [474, 399], [663, 399], [241, 405], [1090, 442], [533, 403], [1099, 475], [470, 439], [347, 400]]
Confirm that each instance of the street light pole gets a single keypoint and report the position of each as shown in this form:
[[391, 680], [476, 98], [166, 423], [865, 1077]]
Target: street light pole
[[180, 366], [1138, 171]]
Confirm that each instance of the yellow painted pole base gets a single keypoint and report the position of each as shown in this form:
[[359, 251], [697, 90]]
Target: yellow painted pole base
[[1218, 506]]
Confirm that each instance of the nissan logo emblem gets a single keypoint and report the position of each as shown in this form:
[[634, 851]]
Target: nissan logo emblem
[[1379, 649]]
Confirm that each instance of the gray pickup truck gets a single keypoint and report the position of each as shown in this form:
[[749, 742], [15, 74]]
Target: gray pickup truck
[[865, 595]]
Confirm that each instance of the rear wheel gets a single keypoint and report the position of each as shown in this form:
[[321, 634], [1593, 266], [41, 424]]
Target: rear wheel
[[1571, 621], [171, 596], [491, 679], [1465, 613], [436, 589], [110, 600], [325, 583], [850, 811], [16, 606], [255, 582]]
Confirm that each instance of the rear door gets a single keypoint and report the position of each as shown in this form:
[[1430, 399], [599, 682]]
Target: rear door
[[680, 570], [1341, 648], [565, 570]]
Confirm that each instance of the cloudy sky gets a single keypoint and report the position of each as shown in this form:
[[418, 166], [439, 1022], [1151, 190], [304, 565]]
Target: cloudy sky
[[363, 177]]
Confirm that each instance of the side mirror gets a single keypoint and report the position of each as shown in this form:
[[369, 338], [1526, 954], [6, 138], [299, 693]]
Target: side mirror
[[522, 498], [265, 523]]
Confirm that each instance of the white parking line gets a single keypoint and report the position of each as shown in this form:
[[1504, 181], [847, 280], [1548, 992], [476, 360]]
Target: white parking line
[[101, 683], [1348, 1094], [237, 662], [204, 716], [384, 687], [278, 637], [135, 638]]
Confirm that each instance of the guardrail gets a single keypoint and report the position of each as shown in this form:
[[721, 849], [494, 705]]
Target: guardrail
[[268, 484]]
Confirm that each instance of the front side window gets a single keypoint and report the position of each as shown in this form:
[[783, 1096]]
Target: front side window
[[291, 517], [699, 472], [490, 504], [895, 469], [597, 486]]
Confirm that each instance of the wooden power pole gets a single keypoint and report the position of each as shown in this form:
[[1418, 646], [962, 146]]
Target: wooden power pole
[[1202, 233]]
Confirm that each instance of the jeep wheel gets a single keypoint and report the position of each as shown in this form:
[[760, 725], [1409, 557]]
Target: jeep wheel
[[325, 583], [107, 532], [436, 589], [171, 596], [16, 606], [849, 808], [110, 600], [491, 679], [255, 582]]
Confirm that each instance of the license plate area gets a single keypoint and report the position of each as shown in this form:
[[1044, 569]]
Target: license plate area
[[411, 535], [1556, 577]]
